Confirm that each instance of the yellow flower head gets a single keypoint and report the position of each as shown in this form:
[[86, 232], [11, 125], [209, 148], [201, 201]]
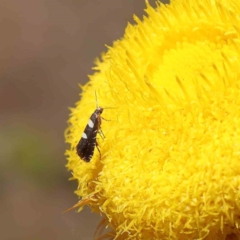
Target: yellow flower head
[[170, 159]]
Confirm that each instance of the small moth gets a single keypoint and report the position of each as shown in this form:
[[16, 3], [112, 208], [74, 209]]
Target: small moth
[[86, 145]]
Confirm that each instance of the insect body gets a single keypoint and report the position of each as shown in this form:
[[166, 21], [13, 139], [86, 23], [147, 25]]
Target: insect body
[[85, 147]]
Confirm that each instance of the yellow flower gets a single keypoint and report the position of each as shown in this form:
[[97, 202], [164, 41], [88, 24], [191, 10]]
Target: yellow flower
[[170, 161]]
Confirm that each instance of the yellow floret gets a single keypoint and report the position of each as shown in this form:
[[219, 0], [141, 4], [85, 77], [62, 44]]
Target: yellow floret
[[170, 159]]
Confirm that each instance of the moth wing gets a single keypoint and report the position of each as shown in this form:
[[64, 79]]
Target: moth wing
[[82, 144]]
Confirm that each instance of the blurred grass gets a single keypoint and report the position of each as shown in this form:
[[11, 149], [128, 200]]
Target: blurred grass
[[31, 154]]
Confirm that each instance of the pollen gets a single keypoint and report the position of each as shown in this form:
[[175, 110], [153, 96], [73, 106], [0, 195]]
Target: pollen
[[170, 156]]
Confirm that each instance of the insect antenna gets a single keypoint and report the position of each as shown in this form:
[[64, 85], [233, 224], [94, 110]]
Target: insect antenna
[[104, 107], [96, 99]]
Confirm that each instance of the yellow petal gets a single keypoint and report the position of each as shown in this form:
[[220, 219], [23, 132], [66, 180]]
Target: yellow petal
[[170, 162]]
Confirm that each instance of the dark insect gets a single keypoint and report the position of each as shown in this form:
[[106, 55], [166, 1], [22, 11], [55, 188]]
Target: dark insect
[[85, 147]]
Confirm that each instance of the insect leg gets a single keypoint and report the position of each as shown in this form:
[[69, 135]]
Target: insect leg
[[105, 119], [98, 149], [100, 132]]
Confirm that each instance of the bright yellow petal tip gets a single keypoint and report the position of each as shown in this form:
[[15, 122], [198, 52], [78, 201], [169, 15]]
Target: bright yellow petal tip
[[170, 161]]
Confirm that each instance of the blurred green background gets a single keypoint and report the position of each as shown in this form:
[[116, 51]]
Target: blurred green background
[[47, 48]]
